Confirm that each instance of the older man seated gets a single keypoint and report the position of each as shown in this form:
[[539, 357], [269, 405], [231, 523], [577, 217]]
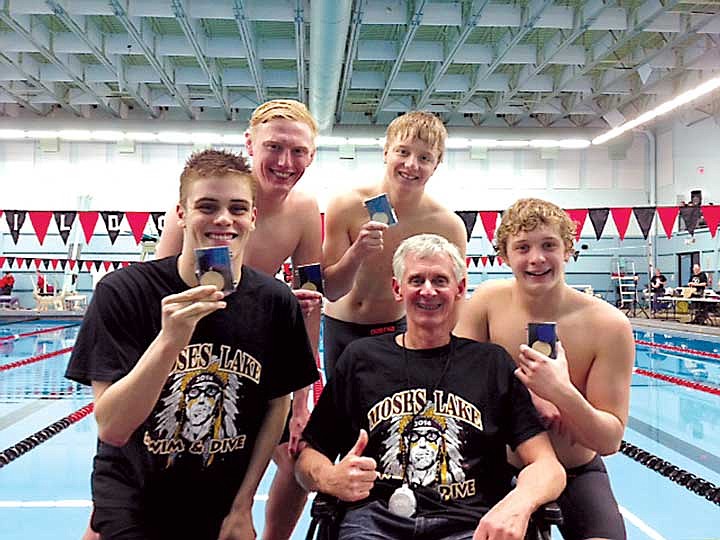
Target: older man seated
[[422, 420]]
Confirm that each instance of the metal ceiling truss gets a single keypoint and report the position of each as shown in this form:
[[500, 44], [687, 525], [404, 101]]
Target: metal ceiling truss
[[549, 63]]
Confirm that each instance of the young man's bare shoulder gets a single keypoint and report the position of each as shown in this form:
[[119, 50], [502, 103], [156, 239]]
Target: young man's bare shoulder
[[597, 313], [352, 198]]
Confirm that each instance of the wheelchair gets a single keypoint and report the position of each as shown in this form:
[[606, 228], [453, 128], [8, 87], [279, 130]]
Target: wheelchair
[[326, 513]]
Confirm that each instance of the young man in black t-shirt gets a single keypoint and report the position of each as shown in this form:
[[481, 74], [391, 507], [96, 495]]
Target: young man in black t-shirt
[[191, 386], [422, 419], [698, 281]]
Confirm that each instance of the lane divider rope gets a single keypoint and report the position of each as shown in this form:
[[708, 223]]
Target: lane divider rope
[[37, 332], [675, 348], [33, 359], [28, 443], [686, 479], [678, 380]]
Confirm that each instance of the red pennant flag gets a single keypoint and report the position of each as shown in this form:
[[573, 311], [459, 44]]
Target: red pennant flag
[[578, 215], [54, 263], [107, 264], [500, 260], [125, 263], [484, 260], [19, 262], [40, 222], [137, 222], [89, 265], [621, 217], [71, 262], [489, 221], [711, 214], [668, 215], [37, 263], [2, 261], [467, 262], [88, 220]]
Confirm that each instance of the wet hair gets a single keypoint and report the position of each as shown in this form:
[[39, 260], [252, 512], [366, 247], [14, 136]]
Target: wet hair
[[427, 245], [421, 125], [215, 163], [289, 109], [527, 215]]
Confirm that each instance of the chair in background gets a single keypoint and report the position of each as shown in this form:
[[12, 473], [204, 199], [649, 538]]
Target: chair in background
[[46, 302]]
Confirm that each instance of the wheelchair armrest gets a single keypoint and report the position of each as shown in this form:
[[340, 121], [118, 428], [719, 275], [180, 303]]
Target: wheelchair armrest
[[549, 513]]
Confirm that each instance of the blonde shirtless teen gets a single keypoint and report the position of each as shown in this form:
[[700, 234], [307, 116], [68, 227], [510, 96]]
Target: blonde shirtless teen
[[357, 252], [583, 394], [281, 141]]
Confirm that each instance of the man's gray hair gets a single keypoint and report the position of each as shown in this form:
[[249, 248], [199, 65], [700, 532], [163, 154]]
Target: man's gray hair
[[426, 245]]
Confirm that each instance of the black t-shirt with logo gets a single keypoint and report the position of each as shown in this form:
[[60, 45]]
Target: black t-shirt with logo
[[444, 433], [183, 466]]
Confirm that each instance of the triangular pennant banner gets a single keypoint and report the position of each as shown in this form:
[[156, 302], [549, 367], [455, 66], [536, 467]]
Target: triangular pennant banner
[[668, 214], [88, 220], [621, 217], [2, 261], [691, 216], [711, 213], [107, 265], [97, 264], [15, 220], [575, 255], [54, 263], [598, 218], [112, 224], [71, 264], [116, 265], [484, 260], [10, 261], [37, 263], [578, 215], [491, 258], [489, 221], [63, 264], [467, 262], [137, 222], [28, 262], [476, 260], [64, 222], [125, 264], [88, 265], [158, 219], [644, 216], [469, 218], [40, 222], [500, 260]]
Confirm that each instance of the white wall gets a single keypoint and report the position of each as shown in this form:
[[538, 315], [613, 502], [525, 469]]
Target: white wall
[[688, 159], [147, 179]]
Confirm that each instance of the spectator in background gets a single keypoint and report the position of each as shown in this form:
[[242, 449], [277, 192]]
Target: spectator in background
[[7, 282], [44, 288], [657, 288]]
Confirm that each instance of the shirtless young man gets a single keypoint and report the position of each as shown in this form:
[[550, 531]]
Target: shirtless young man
[[583, 394], [357, 253], [281, 141]]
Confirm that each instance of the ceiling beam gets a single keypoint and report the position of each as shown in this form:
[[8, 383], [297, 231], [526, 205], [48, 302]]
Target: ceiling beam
[[611, 45], [17, 62], [79, 26], [531, 13], [583, 20], [465, 32], [188, 28], [300, 49], [415, 21], [18, 27], [124, 19], [353, 41], [15, 94], [243, 24]]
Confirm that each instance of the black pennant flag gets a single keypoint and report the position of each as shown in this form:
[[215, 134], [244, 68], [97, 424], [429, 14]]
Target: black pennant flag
[[158, 219], [491, 258], [64, 222], [10, 261], [15, 220], [644, 216], [63, 264], [598, 218], [469, 218], [576, 254], [690, 215], [112, 223]]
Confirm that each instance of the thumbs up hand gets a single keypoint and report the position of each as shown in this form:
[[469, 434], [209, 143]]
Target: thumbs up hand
[[354, 475]]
